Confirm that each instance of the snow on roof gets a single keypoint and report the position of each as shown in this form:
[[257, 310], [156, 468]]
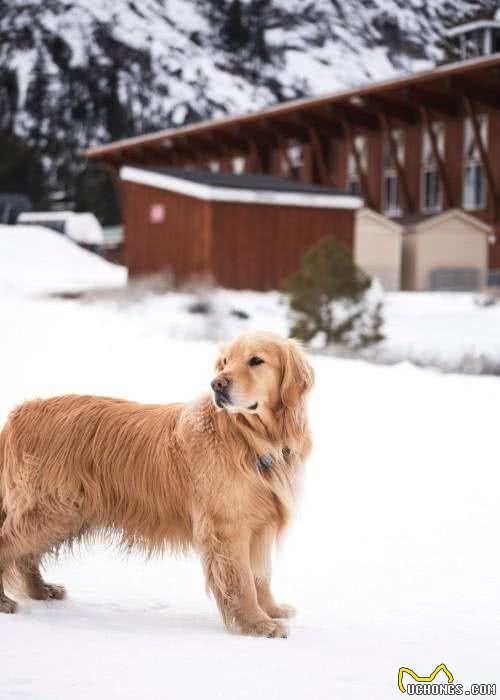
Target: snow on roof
[[261, 189], [36, 260]]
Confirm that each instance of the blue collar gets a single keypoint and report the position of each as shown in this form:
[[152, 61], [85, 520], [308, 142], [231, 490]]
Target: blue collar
[[264, 462]]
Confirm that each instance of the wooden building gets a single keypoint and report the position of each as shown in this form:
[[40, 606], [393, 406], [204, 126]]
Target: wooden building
[[242, 231], [411, 147]]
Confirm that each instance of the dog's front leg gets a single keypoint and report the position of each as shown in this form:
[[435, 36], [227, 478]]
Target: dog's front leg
[[261, 546], [226, 560]]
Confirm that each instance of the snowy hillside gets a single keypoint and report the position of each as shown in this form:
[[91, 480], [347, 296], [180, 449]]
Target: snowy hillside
[[393, 559], [79, 73]]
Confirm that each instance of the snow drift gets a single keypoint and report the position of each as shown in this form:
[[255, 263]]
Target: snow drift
[[36, 260]]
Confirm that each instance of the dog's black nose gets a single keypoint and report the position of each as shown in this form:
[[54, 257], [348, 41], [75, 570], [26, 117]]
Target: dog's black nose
[[220, 383]]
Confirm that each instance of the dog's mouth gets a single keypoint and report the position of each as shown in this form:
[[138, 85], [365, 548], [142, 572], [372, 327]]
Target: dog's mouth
[[222, 399]]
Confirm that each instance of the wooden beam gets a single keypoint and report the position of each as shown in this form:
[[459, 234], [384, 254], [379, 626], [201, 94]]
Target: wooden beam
[[258, 159], [259, 131], [290, 128], [113, 162], [253, 163], [448, 197], [319, 157], [403, 111], [323, 122], [170, 152], [387, 128], [476, 128], [488, 95], [354, 114], [224, 141], [365, 189], [442, 103]]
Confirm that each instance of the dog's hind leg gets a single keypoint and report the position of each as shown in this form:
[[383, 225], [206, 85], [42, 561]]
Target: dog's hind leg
[[6, 561], [35, 587]]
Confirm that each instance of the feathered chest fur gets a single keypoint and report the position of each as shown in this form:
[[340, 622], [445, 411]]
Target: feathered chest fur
[[255, 469]]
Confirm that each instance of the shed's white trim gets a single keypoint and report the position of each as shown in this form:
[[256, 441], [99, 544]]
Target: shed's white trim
[[230, 194]]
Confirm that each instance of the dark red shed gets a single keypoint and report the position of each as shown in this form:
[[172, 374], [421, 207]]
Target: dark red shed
[[244, 231]]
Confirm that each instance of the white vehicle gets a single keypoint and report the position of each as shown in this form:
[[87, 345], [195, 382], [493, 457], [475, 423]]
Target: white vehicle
[[82, 228]]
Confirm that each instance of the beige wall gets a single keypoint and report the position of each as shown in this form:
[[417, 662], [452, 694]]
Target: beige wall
[[377, 249], [449, 243]]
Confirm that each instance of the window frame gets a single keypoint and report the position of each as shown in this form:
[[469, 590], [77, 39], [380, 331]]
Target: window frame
[[471, 160], [353, 179], [429, 166], [390, 172]]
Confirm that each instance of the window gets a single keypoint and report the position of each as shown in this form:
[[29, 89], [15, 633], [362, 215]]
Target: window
[[474, 185], [430, 188], [291, 159], [238, 164], [360, 143], [391, 204], [495, 42], [294, 160]]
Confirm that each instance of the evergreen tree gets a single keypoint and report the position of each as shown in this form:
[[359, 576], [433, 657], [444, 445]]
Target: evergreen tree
[[235, 33], [20, 168], [95, 192], [328, 297]]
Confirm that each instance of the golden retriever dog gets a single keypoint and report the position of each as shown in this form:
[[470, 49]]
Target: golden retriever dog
[[218, 474]]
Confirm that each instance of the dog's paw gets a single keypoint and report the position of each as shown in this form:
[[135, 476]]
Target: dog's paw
[[281, 611], [49, 591], [265, 628], [55, 592], [7, 605]]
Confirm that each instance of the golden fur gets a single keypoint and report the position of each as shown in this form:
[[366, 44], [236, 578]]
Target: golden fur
[[165, 476]]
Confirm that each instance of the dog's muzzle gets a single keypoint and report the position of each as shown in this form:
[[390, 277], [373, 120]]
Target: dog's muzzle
[[220, 386]]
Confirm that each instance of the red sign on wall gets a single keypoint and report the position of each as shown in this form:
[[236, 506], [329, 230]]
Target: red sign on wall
[[157, 213]]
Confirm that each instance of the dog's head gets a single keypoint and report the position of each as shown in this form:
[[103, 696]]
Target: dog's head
[[261, 372]]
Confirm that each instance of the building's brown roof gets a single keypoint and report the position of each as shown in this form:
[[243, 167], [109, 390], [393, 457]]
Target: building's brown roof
[[439, 89]]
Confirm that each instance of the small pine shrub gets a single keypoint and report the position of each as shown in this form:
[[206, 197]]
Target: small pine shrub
[[333, 300]]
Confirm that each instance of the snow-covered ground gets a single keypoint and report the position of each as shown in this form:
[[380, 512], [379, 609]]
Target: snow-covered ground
[[393, 559]]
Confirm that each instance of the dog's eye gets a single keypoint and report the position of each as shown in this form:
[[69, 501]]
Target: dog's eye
[[254, 361], [224, 361]]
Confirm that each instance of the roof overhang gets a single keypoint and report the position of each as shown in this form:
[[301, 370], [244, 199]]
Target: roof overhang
[[235, 194], [440, 89]]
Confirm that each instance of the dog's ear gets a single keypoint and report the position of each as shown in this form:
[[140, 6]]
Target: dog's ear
[[298, 375]]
